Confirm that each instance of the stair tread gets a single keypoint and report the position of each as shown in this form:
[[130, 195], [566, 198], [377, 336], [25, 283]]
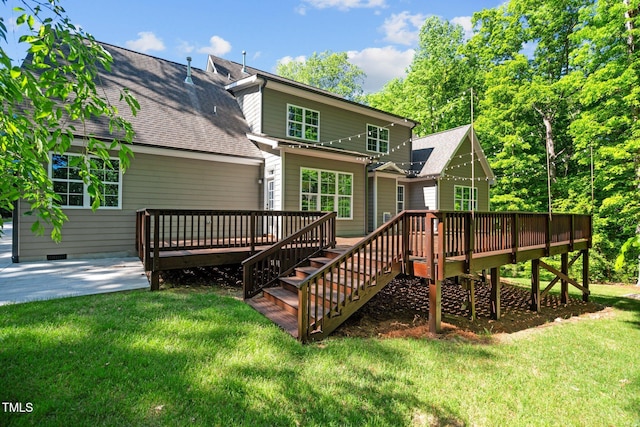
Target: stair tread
[[284, 295], [322, 259], [287, 321], [308, 270]]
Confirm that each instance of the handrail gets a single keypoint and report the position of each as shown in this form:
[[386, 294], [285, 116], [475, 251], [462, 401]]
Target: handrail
[[469, 233], [162, 230], [265, 267], [346, 277]]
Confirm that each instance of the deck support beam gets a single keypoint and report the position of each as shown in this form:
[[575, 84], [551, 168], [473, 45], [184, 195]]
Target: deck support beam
[[535, 285], [435, 306], [585, 274], [564, 285], [495, 294], [468, 283]]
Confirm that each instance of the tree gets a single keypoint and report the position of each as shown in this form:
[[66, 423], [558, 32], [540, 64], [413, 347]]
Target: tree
[[327, 70], [607, 130], [542, 91], [432, 92], [44, 102]]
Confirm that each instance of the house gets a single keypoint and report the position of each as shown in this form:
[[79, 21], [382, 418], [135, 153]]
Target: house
[[234, 137]]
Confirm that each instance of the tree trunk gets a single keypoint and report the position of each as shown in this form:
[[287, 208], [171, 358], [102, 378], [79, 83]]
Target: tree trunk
[[629, 14], [547, 119]]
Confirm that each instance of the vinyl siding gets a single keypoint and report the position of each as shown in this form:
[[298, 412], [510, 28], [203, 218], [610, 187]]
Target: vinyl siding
[[422, 195], [386, 189], [151, 182], [335, 123], [455, 175], [250, 101], [292, 165]]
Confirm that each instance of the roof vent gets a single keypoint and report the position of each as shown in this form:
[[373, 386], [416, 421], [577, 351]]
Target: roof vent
[[188, 80], [244, 61]]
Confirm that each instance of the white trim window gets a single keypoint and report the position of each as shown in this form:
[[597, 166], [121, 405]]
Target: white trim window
[[326, 191], [462, 200], [400, 198], [377, 139], [68, 184], [303, 123]]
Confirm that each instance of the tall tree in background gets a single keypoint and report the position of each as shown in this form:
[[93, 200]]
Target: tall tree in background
[[530, 96], [327, 70], [437, 80], [42, 100], [607, 131]]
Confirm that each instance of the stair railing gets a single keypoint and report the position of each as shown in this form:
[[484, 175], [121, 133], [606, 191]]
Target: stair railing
[[264, 268], [331, 294]]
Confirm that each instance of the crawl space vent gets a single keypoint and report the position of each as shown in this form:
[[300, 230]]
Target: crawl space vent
[[56, 257]]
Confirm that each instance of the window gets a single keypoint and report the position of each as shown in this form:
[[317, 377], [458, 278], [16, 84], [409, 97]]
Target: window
[[400, 198], [303, 123], [377, 139], [462, 198], [70, 187], [326, 191]]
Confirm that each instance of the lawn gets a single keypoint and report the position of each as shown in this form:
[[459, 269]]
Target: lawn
[[196, 357]]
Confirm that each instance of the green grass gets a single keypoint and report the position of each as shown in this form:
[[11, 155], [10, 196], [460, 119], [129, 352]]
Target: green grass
[[181, 357]]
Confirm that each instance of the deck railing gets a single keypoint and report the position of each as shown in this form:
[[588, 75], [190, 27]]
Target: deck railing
[[327, 296], [467, 233], [264, 268], [161, 230]]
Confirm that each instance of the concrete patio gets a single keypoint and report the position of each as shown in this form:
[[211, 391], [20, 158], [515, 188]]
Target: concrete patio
[[33, 281]]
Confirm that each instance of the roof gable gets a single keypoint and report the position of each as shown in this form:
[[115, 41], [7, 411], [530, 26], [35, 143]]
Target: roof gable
[[432, 154]]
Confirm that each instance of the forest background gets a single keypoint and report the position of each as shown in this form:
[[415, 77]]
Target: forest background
[[553, 90]]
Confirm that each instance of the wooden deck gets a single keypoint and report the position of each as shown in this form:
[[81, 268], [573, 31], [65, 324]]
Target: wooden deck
[[294, 275]]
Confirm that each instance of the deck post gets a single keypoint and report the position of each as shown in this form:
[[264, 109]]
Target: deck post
[[585, 274], [155, 271], [252, 233], [435, 306], [564, 285], [515, 237], [405, 245], [495, 293], [435, 285], [535, 285], [470, 231], [471, 292]]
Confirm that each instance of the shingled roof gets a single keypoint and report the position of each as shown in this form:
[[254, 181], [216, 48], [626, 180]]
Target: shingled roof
[[202, 117], [432, 153]]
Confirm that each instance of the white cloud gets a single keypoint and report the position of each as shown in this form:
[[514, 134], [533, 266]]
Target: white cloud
[[217, 46], [287, 59], [465, 23], [185, 47], [381, 65], [343, 5], [145, 42], [403, 28]]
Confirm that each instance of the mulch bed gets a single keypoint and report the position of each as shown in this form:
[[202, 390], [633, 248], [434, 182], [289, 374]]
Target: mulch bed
[[401, 309]]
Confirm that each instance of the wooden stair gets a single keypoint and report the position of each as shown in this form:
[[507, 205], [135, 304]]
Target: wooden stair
[[335, 299]]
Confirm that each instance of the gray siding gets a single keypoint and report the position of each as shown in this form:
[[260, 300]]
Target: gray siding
[[250, 101], [387, 196], [456, 176], [292, 165], [422, 194], [151, 182], [335, 123]]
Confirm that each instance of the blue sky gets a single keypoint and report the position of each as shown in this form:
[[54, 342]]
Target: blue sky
[[379, 35]]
